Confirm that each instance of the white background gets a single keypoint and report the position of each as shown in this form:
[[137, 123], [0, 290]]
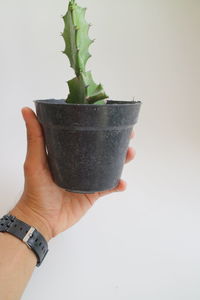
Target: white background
[[143, 243]]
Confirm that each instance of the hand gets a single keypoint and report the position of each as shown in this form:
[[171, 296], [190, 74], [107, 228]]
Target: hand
[[44, 205]]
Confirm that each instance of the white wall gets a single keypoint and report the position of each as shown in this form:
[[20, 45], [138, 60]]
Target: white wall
[[142, 244]]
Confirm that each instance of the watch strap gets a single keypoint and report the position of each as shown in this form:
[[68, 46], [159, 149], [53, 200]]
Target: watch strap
[[26, 233]]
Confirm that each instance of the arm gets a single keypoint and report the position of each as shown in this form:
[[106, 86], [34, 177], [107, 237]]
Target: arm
[[17, 263], [43, 205]]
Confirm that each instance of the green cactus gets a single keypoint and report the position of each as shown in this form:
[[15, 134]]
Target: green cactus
[[82, 88]]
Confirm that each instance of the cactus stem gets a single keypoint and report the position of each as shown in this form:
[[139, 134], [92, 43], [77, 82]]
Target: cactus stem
[[82, 88]]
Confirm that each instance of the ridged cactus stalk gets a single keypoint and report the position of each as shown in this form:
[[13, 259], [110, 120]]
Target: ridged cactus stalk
[[82, 88]]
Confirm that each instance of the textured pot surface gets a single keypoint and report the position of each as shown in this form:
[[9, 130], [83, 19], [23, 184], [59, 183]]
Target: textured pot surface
[[87, 143]]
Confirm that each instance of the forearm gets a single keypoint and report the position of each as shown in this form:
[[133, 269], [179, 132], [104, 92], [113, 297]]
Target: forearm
[[17, 261]]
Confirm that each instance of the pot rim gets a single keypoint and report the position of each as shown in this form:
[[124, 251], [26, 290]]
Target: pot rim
[[110, 102]]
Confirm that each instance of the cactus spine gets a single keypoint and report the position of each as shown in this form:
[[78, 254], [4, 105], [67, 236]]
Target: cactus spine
[[82, 88]]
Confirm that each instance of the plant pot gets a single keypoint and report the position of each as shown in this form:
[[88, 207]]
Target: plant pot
[[87, 144]]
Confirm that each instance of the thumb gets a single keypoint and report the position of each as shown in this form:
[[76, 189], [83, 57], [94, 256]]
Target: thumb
[[36, 153]]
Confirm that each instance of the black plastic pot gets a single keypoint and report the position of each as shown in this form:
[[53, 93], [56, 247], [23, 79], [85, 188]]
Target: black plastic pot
[[87, 144]]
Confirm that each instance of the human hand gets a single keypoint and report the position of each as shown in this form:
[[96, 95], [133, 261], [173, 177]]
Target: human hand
[[44, 205]]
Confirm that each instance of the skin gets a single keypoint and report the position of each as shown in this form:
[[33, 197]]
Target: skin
[[43, 205]]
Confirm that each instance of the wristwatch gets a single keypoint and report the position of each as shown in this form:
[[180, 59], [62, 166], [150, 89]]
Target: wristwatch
[[26, 233]]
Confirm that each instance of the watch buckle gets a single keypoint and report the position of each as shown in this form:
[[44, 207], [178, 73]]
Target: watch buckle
[[28, 235]]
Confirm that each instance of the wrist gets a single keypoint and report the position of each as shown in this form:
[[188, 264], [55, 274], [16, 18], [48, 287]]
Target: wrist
[[33, 219]]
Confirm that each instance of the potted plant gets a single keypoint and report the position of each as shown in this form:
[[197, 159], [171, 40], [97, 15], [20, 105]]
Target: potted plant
[[86, 135]]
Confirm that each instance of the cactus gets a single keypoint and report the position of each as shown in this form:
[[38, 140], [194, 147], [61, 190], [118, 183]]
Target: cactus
[[82, 88]]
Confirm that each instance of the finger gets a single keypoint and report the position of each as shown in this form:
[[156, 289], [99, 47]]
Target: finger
[[36, 153], [130, 155], [121, 187]]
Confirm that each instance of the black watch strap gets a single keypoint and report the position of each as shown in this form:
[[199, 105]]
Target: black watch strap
[[26, 233]]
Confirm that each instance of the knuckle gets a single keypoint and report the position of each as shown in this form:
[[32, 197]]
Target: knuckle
[[29, 137], [34, 138], [27, 167]]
